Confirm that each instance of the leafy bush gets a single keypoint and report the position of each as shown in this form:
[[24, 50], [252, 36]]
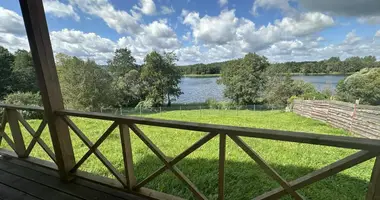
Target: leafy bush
[[363, 85], [225, 105], [26, 99]]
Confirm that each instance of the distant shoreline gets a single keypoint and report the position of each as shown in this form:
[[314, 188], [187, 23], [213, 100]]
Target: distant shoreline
[[293, 74]]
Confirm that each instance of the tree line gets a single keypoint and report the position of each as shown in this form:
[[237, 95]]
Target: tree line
[[328, 66], [86, 85]]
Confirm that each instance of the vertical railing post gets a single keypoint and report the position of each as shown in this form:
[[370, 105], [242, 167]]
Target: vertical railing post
[[373, 192], [222, 160], [3, 124], [43, 58], [126, 145], [18, 139]]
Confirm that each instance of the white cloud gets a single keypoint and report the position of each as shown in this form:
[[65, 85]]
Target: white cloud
[[369, 20], [187, 36], [148, 7], [352, 38], [377, 34], [59, 9], [13, 42], [216, 30], [83, 45], [165, 10], [120, 20], [283, 5], [222, 2], [252, 39], [11, 22]]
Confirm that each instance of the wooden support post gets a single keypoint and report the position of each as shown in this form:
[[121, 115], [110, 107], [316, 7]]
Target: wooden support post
[[18, 140], [43, 58], [222, 160], [374, 184], [126, 146]]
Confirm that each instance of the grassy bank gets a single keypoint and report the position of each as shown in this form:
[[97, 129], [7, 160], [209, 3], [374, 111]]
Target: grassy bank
[[244, 179]]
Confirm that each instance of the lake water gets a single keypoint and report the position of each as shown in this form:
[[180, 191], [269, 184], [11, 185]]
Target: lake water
[[200, 89]]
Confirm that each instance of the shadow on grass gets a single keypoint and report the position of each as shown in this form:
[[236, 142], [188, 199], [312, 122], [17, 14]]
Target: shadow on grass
[[245, 180]]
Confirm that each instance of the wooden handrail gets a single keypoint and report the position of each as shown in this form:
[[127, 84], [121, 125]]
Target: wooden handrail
[[18, 107], [290, 136]]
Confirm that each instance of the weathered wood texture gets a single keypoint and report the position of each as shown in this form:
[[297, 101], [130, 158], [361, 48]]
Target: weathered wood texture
[[359, 119], [43, 58]]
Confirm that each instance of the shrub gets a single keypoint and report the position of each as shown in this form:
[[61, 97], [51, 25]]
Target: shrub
[[26, 99]]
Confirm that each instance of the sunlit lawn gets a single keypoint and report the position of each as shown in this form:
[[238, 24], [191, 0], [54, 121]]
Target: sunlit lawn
[[244, 179]]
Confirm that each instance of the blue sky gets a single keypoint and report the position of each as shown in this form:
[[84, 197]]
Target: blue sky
[[204, 31]]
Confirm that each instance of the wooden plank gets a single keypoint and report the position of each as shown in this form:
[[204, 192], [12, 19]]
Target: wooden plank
[[320, 174], [43, 58], [53, 182], [111, 189], [18, 139], [21, 107], [165, 160], [300, 137], [33, 188], [97, 153], [126, 146], [7, 192], [373, 192], [175, 160], [222, 160], [94, 147], [267, 169]]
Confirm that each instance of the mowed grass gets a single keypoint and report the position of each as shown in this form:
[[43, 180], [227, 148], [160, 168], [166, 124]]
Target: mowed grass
[[244, 178]]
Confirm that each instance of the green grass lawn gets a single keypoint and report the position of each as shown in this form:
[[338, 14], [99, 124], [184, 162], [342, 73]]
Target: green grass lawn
[[244, 179]]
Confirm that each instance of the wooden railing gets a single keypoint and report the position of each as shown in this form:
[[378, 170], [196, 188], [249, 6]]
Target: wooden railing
[[369, 148]]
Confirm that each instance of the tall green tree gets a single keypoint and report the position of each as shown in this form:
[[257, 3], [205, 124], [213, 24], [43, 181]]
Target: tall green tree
[[363, 85], [128, 89], [122, 62], [244, 78], [24, 75], [85, 85], [160, 78], [6, 61]]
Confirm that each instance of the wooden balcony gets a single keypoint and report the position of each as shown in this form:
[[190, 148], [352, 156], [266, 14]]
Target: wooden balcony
[[13, 163], [25, 177]]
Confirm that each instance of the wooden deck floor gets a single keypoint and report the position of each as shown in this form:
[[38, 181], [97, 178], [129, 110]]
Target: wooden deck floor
[[22, 180]]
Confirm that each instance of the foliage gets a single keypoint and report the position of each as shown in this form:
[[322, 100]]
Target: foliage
[[160, 78], [244, 78], [85, 86], [23, 73], [122, 62], [6, 61], [245, 179], [214, 104], [328, 66], [25, 99], [363, 85], [128, 88]]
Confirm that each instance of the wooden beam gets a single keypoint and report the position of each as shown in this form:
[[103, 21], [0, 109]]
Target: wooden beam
[[222, 160], [43, 58], [94, 147], [97, 153], [267, 169], [126, 146], [3, 124], [320, 174], [373, 192], [18, 139], [175, 160], [197, 194]]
